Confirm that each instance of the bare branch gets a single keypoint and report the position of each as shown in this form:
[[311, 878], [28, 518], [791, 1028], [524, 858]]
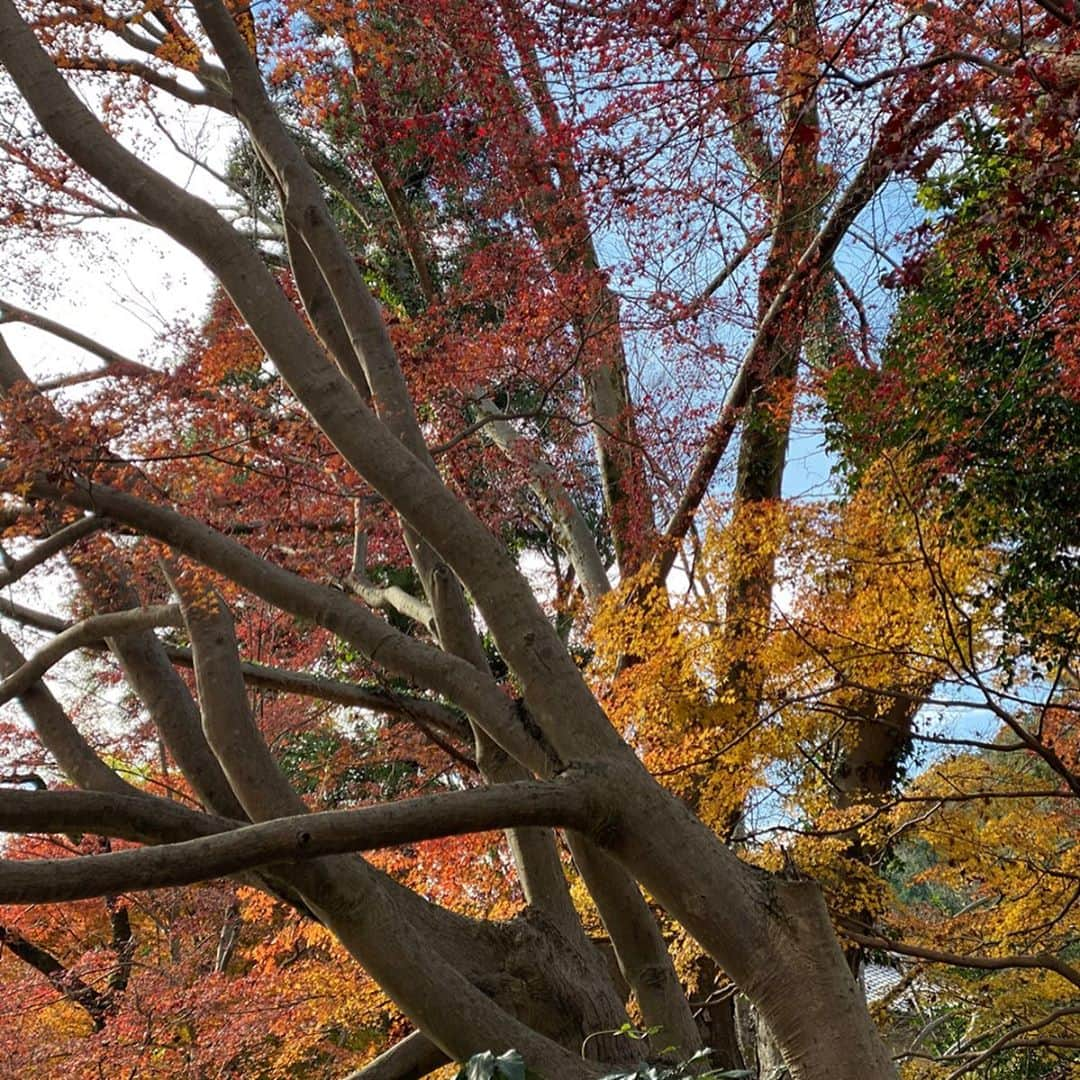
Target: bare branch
[[94, 628], [567, 801], [411, 1059], [727, 270], [574, 534], [1011, 1037], [1044, 961], [378, 699], [66, 982], [27, 616], [127, 815], [11, 313], [253, 774], [384, 597], [418, 710], [952, 56], [640, 949], [207, 95], [50, 546], [383, 644], [79, 378]]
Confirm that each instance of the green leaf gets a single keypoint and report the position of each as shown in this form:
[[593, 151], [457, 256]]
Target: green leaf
[[510, 1066], [486, 1066]]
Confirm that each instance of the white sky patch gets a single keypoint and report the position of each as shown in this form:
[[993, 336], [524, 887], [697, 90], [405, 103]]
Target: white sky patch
[[125, 288], [126, 301], [137, 283]]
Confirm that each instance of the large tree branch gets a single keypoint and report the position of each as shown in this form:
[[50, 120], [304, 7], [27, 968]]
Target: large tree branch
[[91, 629], [50, 546], [253, 774], [422, 711], [433, 990], [322, 311], [28, 616], [349, 322], [411, 1059], [126, 814], [371, 913], [347, 893], [389, 648], [567, 801], [259, 783], [307, 215], [640, 949]]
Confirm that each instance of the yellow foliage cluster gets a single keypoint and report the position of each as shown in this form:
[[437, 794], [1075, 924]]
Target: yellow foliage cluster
[[993, 872], [865, 605], [749, 706]]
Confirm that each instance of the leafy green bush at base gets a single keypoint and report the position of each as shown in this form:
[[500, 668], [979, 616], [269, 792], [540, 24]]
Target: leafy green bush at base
[[510, 1066]]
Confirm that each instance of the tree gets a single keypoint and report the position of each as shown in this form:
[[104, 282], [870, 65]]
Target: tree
[[973, 413], [312, 464], [978, 382]]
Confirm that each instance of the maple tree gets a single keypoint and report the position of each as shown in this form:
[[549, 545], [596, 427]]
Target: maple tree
[[483, 276]]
